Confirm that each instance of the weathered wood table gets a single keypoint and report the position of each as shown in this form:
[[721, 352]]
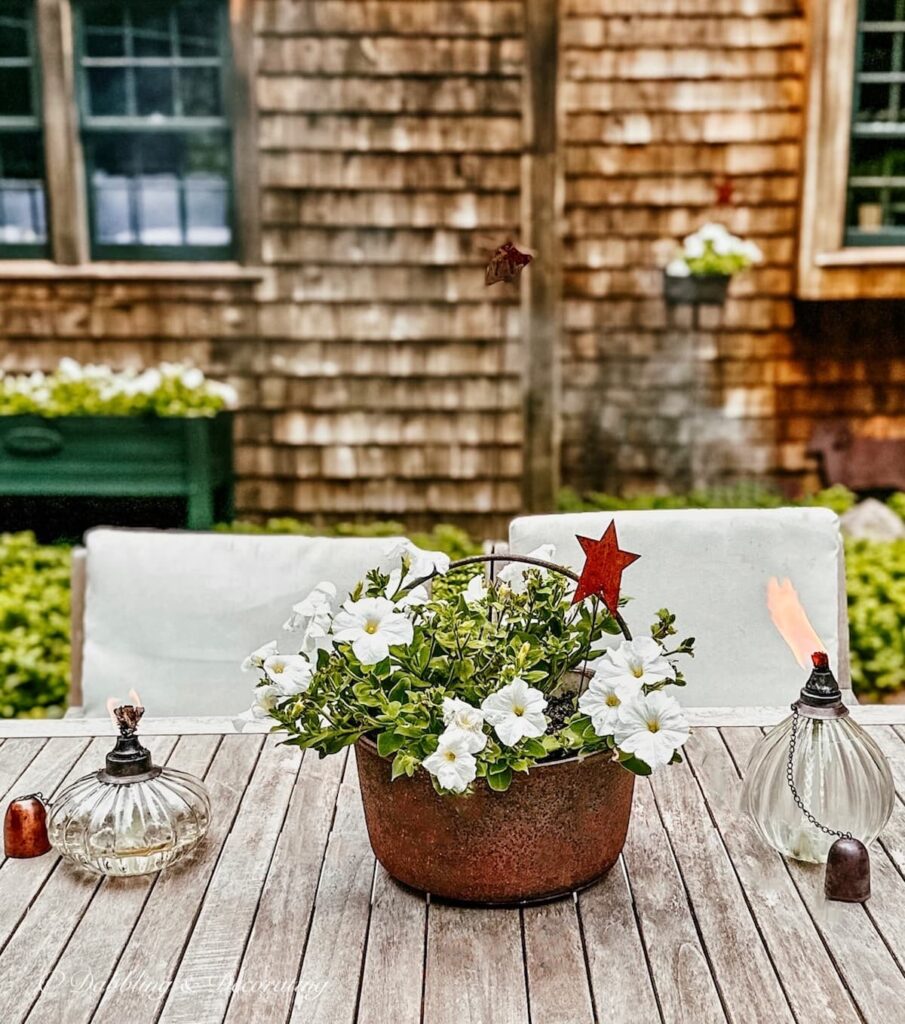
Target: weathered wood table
[[281, 915]]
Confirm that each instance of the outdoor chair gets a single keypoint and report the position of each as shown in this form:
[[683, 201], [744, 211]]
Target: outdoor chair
[[173, 614], [711, 568]]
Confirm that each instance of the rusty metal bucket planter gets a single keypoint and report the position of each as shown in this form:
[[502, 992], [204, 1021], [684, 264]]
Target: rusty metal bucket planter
[[556, 829]]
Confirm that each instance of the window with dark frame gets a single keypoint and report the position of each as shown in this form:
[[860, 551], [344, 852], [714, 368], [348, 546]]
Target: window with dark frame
[[152, 88], [23, 207], [876, 184]]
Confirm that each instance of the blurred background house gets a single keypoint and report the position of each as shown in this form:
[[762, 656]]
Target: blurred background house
[[299, 196]]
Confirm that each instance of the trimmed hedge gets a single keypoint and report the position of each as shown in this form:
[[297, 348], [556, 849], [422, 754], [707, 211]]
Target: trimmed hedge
[[34, 593]]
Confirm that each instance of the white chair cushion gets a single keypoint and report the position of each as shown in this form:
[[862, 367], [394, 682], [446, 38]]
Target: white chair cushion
[[711, 568], [172, 614]]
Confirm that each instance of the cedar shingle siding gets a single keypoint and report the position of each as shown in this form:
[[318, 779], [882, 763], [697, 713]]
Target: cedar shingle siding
[[378, 377]]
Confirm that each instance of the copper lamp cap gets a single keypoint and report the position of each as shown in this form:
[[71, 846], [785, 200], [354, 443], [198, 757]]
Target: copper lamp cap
[[25, 827]]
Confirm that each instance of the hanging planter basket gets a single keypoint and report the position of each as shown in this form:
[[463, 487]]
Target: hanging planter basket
[[697, 289], [557, 828]]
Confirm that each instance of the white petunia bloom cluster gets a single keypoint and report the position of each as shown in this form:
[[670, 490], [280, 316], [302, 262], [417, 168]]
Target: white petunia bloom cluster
[[170, 389], [453, 763], [713, 249], [649, 725]]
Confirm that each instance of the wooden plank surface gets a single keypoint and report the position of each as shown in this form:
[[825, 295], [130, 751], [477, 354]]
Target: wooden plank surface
[[281, 907]]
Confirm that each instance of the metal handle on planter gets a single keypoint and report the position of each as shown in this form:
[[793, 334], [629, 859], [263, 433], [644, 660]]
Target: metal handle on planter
[[525, 560], [33, 441]]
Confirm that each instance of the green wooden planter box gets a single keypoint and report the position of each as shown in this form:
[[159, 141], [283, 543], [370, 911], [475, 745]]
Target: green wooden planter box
[[122, 457]]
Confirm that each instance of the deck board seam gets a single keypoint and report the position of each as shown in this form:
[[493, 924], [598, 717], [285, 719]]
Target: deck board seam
[[705, 949], [266, 875], [144, 903], [298, 974], [837, 967], [751, 911], [207, 885]]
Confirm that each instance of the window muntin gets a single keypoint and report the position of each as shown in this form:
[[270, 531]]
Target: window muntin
[[23, 207], [876, 185], [154, 128]]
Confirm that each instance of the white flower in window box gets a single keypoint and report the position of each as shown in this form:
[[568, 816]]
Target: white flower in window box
[[700, 271]]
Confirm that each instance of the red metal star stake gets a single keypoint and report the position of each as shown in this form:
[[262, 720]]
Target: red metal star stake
[[603, 567]]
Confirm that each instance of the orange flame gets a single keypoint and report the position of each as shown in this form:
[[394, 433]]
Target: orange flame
[[114, 702], [790, 619]]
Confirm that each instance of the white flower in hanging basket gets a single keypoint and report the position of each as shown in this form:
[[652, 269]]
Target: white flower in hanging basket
[[635, 663], [465, 722], [516, 711], [290, 674], [652, 728], [372, 626], [452, 763]]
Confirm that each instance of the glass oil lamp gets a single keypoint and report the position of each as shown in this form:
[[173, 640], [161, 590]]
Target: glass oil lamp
[[131, 817], [819, 787]]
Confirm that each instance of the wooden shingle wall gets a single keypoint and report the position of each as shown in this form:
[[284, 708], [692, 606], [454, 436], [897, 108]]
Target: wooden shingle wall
[[670, 107], [379, 378], [390, 143]]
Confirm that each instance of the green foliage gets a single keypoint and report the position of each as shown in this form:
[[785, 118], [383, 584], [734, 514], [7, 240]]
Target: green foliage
[[464, 646], [171, 389], [876, 609], [34, 627], [741, 495], [452, 540]]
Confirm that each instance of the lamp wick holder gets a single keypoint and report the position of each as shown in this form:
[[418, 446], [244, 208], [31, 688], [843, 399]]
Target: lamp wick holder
[[128, 761]]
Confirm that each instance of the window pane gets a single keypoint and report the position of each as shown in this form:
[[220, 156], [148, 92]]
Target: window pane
[[15, 92], [22, 213], [104, 29], [876, 52], [875, 103], [13, 30], [153, 91], [151, 31], [200, 91], [199, 31], [880, 10], [107, 92], [111, 187]]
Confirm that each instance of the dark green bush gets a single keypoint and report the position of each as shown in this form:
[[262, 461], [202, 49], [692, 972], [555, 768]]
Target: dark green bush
[[34, 627], [34, 593]]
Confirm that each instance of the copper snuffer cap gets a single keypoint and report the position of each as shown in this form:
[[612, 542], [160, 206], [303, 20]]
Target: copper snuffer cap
[[25, 827]]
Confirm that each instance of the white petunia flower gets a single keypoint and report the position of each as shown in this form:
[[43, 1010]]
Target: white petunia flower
[[712, 232], [70, 369], [465, 722], [312, 617], [652, 728], [515, 711], [513, 573], [602, 699], [192, 377], [372, 626], [725, 245], [678, 268], [638, 663], [475, 591], [751, 251], [452, 763], [694, 246], [266, 698], [256, 658], [289, 673], [416, 596]]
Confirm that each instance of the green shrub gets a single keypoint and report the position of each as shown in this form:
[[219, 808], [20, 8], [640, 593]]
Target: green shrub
[[34, 595], [452, 540], [34, 627], [875, 573], [741, 495]]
